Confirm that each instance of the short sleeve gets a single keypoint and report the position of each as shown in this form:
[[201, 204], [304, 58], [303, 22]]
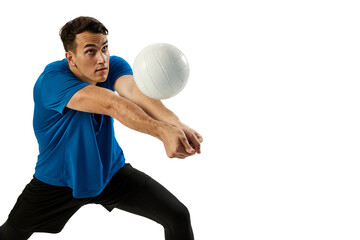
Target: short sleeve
[[118, 68], [58, 85]]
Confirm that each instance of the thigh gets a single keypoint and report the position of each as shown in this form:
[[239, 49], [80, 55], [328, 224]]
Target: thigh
[[135, 192], [153, 201], [124, 183], [44, 208]]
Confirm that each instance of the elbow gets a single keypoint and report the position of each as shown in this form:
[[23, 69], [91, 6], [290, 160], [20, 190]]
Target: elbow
[[110, 107], [116, 106]]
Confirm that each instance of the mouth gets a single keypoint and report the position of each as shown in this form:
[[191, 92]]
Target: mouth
[[101, 69]]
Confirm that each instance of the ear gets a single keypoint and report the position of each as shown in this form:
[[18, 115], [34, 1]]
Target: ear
[[70, 58]]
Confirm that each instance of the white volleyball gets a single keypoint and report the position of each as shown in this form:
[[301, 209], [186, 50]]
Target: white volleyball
[[161, 71]]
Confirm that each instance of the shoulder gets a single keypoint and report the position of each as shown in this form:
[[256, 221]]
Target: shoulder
[[58, 71], [57, 75], [58, 66], [117, 68], [116, 61], [118, 65]]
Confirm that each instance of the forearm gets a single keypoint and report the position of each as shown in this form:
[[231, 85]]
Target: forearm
[[125, 86], [131, 115], [134, 117], [157, 110]]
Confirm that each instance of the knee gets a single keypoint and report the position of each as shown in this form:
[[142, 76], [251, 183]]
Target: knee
[[9, 232], [181, 216], [179, 226]]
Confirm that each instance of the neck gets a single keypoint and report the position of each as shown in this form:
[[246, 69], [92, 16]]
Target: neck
[[81, 76]]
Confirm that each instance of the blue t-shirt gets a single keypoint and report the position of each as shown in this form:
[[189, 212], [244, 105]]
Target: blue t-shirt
[[76, 149]]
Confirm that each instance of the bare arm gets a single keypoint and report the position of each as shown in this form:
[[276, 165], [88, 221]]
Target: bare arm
[[127, 88], [103, 101]]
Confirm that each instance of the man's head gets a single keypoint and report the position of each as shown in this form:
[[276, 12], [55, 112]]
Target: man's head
[[86, 46]]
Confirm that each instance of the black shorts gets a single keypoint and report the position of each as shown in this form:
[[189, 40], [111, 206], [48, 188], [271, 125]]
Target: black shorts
[[46, 208]]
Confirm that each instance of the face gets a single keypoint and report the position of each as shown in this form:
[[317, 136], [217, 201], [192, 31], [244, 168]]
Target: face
[[90, 62]]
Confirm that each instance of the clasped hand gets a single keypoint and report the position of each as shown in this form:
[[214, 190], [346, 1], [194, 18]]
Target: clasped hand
[[180, 141]]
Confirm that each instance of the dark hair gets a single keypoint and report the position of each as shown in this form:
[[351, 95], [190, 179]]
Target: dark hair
[[79, 25]]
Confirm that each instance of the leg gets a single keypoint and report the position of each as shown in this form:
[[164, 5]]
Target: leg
[[8, 232], [40, 208], [155, 202]]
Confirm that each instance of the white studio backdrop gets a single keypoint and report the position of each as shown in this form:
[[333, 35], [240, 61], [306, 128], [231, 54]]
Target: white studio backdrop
[[273, 89]]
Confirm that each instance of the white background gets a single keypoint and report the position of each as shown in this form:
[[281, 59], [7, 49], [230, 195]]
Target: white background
[[274, 90]]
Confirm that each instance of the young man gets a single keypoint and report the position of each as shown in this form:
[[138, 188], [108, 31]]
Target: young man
[[80, 161]]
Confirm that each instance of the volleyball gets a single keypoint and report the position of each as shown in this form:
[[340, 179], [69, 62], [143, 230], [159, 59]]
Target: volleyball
[[161, 71]]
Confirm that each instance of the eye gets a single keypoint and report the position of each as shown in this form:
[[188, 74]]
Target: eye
[[105, 48], [90, 51]]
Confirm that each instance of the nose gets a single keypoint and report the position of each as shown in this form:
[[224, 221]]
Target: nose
[[101, 58]]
